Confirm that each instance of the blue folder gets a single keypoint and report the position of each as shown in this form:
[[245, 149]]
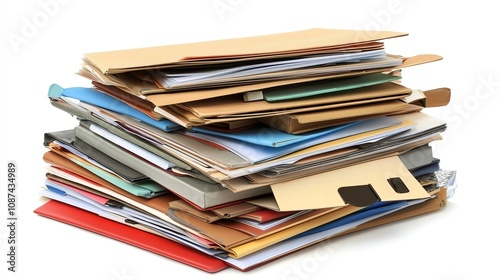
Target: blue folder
[[267, 136], [374, 209], [270, 137], [102, 100]]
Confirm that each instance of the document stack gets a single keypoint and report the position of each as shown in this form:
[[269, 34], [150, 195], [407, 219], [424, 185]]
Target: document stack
[[236, 152]]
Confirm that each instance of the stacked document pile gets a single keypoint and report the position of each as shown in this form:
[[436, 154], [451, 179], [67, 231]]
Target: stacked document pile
[[233, 153]]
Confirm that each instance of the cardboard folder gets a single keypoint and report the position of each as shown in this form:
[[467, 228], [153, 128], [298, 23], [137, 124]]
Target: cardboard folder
[[431, 205], [163, 99], [209, 216], [429, 98], [426, 130], [302, 122], [345, 215], [301, 170], [258, 247], [230, 237], [114, 68], [288, 246], [143, 79], [80, 218], [233, 108], [283, 44], [385, 179], [299, 123]]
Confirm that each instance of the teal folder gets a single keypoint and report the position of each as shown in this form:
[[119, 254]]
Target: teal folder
[[147, 189], [309, 89]]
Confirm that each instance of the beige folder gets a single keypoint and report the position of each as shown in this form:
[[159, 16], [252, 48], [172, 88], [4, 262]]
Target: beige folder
[[130, 69], [233, 108], [302, 122], [385, 179], [148, 90], [310, 41]]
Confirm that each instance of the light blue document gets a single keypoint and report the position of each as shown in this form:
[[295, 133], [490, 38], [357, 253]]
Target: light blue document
[[267, 136], [102, 100], [258, 153]]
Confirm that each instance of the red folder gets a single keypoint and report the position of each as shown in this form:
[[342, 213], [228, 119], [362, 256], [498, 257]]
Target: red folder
[[89, 221]]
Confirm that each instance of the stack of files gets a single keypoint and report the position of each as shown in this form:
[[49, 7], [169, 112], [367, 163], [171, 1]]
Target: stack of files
[[236, 152]]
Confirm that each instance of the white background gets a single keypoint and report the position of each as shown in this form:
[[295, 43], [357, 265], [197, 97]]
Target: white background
[[43, 41]]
